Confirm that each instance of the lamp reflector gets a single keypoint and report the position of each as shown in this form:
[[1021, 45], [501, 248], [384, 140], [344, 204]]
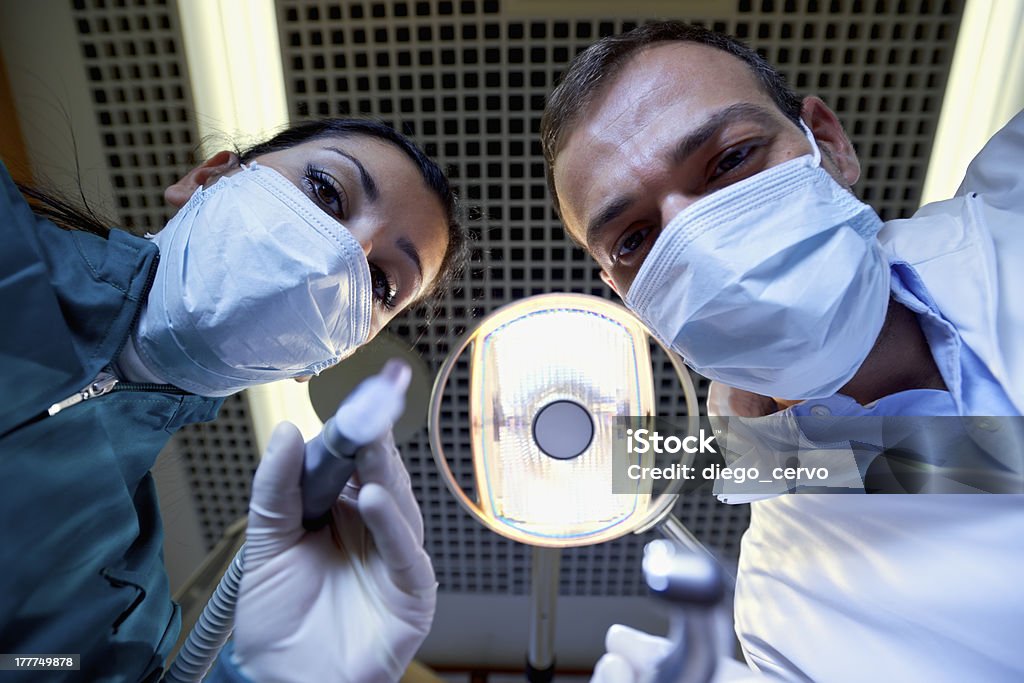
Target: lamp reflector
[[547, 381]]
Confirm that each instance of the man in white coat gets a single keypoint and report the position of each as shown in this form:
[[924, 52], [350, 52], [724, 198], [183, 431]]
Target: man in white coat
[[718, 205]]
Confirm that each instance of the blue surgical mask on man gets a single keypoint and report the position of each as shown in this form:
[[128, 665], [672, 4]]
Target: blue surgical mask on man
[[255, 284], [775, 284]]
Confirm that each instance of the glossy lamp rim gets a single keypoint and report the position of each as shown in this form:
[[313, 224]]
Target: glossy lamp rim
[[660, 505]]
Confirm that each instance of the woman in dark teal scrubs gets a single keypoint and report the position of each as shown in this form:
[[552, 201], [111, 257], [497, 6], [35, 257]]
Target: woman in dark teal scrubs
[[81, 566]]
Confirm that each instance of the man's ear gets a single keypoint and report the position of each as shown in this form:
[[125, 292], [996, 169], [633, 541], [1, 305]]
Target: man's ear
[[220, 163], [608, 281], [831, 137]]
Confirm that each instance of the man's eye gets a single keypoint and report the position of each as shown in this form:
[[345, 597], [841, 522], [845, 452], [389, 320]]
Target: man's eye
[[632, 242], [732, 160], [384, 290], [325, 190]]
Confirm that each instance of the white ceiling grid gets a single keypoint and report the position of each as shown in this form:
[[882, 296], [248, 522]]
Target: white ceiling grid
[[467, 79], [131, 51]]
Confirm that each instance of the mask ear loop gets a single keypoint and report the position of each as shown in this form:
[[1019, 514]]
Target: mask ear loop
[[814, 143]]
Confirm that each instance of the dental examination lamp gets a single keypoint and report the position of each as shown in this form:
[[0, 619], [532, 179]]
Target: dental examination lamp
[[548, 377]]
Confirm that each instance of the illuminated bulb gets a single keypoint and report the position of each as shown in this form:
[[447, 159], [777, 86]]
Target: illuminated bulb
[[523, 365]]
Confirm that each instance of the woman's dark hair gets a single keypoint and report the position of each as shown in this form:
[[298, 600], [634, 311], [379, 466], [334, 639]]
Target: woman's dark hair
[[72, 216], [64, 212], [456, 253], [599, 63]]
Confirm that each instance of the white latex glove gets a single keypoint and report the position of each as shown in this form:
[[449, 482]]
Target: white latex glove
[[350, 603], [632, 656]]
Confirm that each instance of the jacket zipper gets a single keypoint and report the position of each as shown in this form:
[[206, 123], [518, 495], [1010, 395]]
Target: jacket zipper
[[106, 383], [103, 384]]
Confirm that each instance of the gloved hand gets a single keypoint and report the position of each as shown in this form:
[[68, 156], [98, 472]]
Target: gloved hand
[[632, 657], [350, 602]]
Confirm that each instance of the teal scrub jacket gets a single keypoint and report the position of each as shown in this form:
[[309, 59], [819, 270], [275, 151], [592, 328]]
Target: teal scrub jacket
[[81, 557]]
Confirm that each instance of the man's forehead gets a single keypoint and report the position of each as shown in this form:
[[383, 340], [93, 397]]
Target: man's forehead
[[671, 73], [689, 81]]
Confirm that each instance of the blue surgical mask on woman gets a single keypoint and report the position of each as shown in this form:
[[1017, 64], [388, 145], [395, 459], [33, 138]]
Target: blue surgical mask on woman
[[775, 284], [255, 284]]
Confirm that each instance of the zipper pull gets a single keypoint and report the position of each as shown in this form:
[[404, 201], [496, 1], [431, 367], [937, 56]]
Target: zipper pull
[[103, 384]]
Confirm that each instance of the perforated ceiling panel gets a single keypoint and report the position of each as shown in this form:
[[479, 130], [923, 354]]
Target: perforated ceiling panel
[[143, 104], [467, 80]]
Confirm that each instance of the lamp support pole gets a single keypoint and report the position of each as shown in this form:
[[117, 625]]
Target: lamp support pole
[[544, 572]]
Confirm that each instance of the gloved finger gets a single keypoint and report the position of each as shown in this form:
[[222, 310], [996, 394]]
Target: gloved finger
[[407, 562], [276, 488], [275, 508], [375, 462], [612, 668], [642, 650], [381, 463]]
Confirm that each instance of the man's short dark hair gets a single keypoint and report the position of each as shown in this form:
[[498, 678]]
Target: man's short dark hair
[[599, 63]]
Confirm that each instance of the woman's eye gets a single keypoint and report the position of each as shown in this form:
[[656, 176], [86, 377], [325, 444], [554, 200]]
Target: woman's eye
[[384, 289], [632, 242], [325, 190], [730, 161]]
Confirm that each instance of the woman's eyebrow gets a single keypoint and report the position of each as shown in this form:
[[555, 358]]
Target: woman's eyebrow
[[369, 184], [409, 249]]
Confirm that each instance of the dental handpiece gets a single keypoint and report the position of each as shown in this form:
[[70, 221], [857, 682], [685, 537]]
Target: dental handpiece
[[363, 417]]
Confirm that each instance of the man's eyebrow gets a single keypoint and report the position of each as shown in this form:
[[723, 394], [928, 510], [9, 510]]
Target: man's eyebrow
[[683, 149], [606, 215], [369, 184], [406, 245], [744, 111]]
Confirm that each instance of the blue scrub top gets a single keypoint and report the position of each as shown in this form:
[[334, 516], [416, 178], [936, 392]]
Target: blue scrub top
[[81, 557]]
